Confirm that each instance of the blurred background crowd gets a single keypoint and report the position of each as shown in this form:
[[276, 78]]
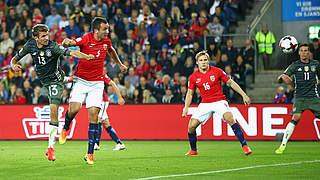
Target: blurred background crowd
[[156, 39]]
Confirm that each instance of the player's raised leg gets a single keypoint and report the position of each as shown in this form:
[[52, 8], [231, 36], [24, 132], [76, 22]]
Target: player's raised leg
[[192, 135], [289, 130], [74, 108], [54, 124], [237, 131]]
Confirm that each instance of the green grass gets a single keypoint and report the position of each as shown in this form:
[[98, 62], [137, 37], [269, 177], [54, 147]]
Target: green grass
[[27, 160]]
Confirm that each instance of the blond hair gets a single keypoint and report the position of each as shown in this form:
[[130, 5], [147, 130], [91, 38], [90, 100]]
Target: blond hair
[[202, 53]]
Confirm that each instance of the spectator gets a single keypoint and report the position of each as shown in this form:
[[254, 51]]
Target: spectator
[[19, 97], [142, 86], [315, 49], [103, 7], [290, 93], [142, 67], [37, 17], [147, 97], [17, 79], [247, 53], [136, 54], [266, 42], [53, 18], [188, 67], [65, 96], [132, 78], [27, 91], [64, 22], [34, 80], [231, 51], [239, 72], [6, 43], [215, 53], [113, 68], [88, 6], [56, 31], [153, 28], [146, 15], [181, 97], [168, 97], [23, 17], [280, 96], [113, 99], [173, 66], [4, 97], [186, 10], [154, 67], [199, 26], [36, 95], [136, 97], [79, 20], [156, 44], [125, 96], [27, 30], [224, 61], [72, 29], [12, 92], [216, 29], [12, 18], [66, 7], [129, 88]]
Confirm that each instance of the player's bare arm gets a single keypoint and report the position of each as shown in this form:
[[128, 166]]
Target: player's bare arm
[[116, 90], [68, 42], [14, 65], [237, 88], [187, 102], [113, 54], [82, 55], [285, 78]]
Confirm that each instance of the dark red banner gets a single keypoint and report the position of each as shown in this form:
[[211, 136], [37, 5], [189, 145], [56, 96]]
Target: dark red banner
[[258, 121]]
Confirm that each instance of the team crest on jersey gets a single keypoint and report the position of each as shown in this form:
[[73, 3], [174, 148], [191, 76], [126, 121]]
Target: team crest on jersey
[[105, 46], [306, 68], [91, 45], [313, 68], [212, 78], [41, 53], [198, 80], [48, 53]]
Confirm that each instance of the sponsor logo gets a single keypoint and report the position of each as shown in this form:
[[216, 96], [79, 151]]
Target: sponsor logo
[[91, 45], [33, 54], [105, 46], [198, 80], [39, 127], [299, 69]]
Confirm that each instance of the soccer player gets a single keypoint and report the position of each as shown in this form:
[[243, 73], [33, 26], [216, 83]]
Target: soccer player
[[306, 73], [45, 58], [88, 83], [208, 80], [103, 117]]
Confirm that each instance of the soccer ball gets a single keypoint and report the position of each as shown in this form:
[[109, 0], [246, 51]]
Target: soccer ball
[[288, 44]]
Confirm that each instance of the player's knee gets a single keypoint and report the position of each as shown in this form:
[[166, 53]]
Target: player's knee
[[228, 116]]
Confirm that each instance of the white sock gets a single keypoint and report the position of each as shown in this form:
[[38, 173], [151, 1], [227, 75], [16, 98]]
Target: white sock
[[52, 136], [289, 130]]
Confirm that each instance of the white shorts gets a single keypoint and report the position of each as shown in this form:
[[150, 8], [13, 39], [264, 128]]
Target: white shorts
[[205, 110], [103, 111], [89, 91]]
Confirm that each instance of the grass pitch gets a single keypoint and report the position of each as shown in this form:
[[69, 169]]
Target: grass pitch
[[27, 160]]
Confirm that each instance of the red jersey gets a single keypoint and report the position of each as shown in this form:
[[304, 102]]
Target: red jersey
[[91, 70], [106, 80], [209, 84]]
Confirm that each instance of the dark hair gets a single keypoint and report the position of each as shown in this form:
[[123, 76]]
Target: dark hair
[[39, 28], [96, 23], [302, 45]]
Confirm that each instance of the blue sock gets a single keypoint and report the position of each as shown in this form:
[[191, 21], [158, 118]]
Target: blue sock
[[193, 141], [238, 132], [99, 133], [92, 133], [67, 121], [112, 133]]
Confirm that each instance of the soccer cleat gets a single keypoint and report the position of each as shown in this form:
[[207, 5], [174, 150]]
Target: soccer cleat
[[192, 152], [119, 147], [89, 158], [67, 79], [280, 149], [246, 150], [63, 136], [50, 154], [96, 147]]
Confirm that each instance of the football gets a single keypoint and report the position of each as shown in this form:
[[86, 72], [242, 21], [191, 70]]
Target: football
[[288, 44]]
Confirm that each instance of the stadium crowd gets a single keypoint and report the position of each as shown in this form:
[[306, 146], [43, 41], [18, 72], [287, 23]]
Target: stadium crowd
[[156, 39]]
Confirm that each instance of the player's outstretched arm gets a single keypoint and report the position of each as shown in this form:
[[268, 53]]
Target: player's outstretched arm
[[68, 42], [116, 90], [14, 65], [285, 78], [113, 54], [187, 102], [82, 55], [237, 88]]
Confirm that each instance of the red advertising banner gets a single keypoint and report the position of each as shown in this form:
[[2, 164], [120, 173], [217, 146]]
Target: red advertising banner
[[258, 121]]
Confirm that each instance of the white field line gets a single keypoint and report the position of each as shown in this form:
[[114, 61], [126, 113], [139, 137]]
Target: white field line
[[229, 170]]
